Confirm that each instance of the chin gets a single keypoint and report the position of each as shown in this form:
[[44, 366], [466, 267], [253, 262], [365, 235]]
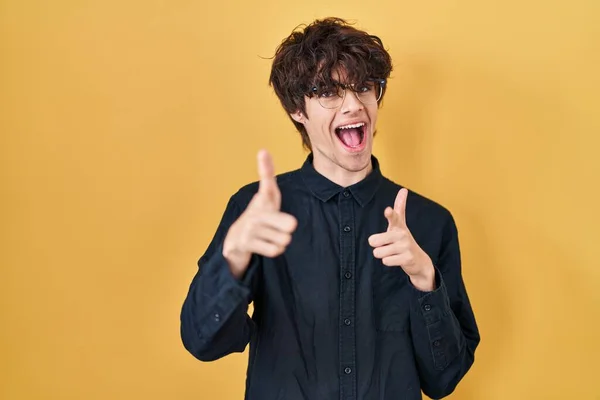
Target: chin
[[357, 162]]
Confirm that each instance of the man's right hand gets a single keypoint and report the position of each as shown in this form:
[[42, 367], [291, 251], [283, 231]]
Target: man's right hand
[[262, 228]]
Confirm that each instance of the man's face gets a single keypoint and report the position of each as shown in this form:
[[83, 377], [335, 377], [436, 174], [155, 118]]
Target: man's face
[[341, 138]]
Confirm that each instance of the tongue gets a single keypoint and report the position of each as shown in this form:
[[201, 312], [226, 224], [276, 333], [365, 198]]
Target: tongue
[[350, 137]]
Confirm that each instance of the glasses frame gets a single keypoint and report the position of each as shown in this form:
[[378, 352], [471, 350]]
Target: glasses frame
[[345, 87]]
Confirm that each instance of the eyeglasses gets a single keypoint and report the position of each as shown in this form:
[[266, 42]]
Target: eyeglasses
[[369, 92]]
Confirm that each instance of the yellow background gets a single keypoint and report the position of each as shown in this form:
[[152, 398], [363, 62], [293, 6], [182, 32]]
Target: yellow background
[[126, 125]]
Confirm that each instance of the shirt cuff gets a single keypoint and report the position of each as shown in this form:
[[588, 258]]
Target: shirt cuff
[[434, 305], [231, 293], [441, 328]]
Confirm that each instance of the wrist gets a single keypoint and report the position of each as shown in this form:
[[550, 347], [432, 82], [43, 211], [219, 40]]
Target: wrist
[[237, 260], [425, 280], [237, 265]]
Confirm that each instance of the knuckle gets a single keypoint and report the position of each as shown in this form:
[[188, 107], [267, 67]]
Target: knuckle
[[287, 239], [274, 251], [293, 223], [288, 222]]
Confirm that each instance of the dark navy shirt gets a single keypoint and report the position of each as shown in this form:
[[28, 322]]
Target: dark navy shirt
[[331, 321]]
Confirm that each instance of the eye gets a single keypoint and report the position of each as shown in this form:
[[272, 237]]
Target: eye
[[364, 87], [327, 92]]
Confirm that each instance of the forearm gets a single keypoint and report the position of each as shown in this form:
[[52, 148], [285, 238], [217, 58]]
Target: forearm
[[214, 320], [444, 348], [425, 281]]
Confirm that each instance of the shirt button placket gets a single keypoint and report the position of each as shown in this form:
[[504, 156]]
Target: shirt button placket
[[347, 334]]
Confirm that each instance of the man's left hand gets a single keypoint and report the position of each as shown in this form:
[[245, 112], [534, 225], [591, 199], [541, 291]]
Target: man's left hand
[[397, 248]]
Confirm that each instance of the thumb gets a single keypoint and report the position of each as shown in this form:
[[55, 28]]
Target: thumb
[[266, 171], [393, 218]]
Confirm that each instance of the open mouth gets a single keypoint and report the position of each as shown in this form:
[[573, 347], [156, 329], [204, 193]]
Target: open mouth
[[352, 136]]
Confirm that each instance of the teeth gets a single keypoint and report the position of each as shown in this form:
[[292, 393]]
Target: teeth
[[352, 126]]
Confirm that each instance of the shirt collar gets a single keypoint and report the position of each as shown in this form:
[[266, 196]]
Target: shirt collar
[[324, 189]]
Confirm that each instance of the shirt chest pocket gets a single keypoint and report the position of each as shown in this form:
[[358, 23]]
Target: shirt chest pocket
[[391, 299]]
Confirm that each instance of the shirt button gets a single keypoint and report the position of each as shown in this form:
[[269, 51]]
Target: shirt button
[[427, 307], [436, 343], [347, 228], [347, 321], [348, 370], [348, 275], [217, 317], [346, 193]]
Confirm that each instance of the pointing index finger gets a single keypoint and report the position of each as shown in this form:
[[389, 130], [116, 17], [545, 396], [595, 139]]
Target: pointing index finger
[[266, 172], [400, 205]]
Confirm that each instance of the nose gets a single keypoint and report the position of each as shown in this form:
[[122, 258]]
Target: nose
[[351, 103]]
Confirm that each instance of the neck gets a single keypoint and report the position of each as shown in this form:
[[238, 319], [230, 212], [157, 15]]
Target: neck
[[339, 175]]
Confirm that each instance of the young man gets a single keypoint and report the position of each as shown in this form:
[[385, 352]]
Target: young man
[[356, 283]]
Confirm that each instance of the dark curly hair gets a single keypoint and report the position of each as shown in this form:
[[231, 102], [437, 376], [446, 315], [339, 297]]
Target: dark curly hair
[[310, 55]]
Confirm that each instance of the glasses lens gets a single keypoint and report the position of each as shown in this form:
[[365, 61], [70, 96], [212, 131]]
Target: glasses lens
[[369, 92], [330, 97]]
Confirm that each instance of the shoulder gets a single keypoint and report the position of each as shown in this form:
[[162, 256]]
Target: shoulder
[[418, 204]]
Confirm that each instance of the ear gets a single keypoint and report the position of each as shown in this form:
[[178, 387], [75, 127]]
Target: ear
[[298, 116]]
